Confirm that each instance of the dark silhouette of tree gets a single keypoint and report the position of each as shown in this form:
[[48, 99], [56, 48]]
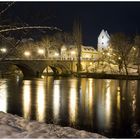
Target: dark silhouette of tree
[[137, 47], [122, 46], [77, 35]]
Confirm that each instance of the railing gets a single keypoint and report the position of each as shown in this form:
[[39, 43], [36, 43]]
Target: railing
[[62, 59]]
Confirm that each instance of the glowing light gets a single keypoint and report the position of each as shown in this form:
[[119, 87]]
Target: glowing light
[[56, 100], [3, 98], [3, 50], [108, 103], [41, 51], [40, 100], [73, 104], [73, 52], [134, 48], [63, 49], [108, 54], [87, 56], [27, 99], [90, 63], [42, 76], [118, 98], [90, 99], [56, 54], [90, 93], [119, 58], [27, 53]]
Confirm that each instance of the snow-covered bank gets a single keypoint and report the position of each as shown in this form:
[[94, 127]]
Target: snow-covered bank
[[13, 126]]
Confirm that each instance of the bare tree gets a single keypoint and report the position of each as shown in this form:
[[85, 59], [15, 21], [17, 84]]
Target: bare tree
[[77, 34], [122, 46], [137, 47], [11, 28]]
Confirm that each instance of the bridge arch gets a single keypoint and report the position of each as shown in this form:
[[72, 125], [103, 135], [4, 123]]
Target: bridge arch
[[27, 71], [35, 68], [58, 68]]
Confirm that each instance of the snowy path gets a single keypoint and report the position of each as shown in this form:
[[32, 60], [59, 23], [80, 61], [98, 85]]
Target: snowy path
[[13, 126]]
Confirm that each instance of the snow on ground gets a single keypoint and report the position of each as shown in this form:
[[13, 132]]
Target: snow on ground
[[13, 126]]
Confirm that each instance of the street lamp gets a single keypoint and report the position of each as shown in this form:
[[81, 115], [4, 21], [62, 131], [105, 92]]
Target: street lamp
[[3, 50], [41, 51], [56, 54], [73, 52], [134, 48], [27, 53]]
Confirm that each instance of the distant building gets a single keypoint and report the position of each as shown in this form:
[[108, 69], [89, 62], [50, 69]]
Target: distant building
[[70, 52], [103, 40]]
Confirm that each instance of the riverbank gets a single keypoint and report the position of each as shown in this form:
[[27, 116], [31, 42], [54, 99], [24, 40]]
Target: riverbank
[[13, 126], [109, 76], [103, 76], [99, 75]]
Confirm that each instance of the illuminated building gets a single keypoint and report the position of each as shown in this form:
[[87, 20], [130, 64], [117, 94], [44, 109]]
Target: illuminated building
[[103, 40]]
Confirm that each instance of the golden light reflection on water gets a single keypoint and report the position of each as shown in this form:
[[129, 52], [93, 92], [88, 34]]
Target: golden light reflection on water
[[72, 102], [3, 98], [56, 100], [27, 99], [108, 102], [40, 102], [118, 98], [89, 99]]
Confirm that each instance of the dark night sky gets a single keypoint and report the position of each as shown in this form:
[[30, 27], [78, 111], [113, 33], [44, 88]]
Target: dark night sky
[[94, 16]]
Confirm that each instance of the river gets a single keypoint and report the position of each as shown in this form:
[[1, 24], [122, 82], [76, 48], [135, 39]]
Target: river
[[107, 107]]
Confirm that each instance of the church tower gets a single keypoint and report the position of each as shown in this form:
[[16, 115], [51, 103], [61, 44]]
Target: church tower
[[103, 40]]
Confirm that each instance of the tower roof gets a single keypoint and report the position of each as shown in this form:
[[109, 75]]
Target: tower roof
[[104, 33]]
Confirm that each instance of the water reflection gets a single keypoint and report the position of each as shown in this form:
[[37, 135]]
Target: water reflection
[[90, 98], [27, 99], [73, 102], [108, 107], [3, 97], [40, 101], [118, 98], [89, 101], [108, 102], [56, 100]]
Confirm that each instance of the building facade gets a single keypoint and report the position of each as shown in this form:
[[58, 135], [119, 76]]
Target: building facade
[[103, 40]]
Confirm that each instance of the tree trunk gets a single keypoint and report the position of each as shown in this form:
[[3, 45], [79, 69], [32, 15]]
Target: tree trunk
[[125, 66], [138, 69], [77, 33]]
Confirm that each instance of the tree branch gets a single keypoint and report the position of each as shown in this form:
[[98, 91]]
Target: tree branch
[[4, 10], [29, 27]]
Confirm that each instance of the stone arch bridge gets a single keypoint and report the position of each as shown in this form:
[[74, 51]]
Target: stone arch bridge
[[34, 68]]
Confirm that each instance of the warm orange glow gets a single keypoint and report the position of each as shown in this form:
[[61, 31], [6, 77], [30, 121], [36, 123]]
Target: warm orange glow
[[27, 53], [73, 52], [119, 58], [3, 50], [3, 98], [56, 54], [56, 100], [41, 51], [118, 98], [108, 102], [40, 101], [73, 103], [27, 99]]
